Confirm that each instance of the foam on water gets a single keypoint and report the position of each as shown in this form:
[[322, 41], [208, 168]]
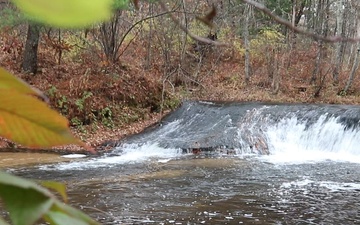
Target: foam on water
[[331, 185], [291, 142], [74, 156], [128, 154]]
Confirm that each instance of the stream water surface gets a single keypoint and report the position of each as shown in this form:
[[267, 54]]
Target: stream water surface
[[309, 173]]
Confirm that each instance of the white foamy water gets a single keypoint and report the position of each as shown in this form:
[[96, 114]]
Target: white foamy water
[[331, 185], [74, 156], [129, 154], [290, 142]]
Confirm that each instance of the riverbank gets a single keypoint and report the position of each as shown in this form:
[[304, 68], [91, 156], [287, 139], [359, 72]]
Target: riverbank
[[105, 102], [102, 139]]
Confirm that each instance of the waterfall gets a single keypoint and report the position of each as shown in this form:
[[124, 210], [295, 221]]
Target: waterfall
[[290, 140], [278, 133], [283, 132]]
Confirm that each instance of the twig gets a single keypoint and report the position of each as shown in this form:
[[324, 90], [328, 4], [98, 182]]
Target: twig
[[289, 25], [134, 25], [186, 30]]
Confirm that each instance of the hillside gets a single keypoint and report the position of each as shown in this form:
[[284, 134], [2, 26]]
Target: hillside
[[156, 67]]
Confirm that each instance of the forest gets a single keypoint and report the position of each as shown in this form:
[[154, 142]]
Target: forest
[[116, 77]]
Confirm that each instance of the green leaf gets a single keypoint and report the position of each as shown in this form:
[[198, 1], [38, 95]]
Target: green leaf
[[30, 122], [66, 13], [25, 206], [10, 180], [27, 202], [61, 219], [75, 213], [57, 186]]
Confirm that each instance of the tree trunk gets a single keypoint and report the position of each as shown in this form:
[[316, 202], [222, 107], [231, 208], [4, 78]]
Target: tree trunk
[[29, 63], [247, 43], [299, 12], [351, 32], [353, 71], [291, 36], [110, 35], [318, 60], [322, 28], [356, 59], [148, 59], [339, 53], [275, 84], [183, 37]]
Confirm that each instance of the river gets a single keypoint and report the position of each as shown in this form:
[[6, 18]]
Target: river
[[216, 163]]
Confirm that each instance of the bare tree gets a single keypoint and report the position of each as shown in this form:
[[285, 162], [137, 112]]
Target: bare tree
[[110, 36]]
